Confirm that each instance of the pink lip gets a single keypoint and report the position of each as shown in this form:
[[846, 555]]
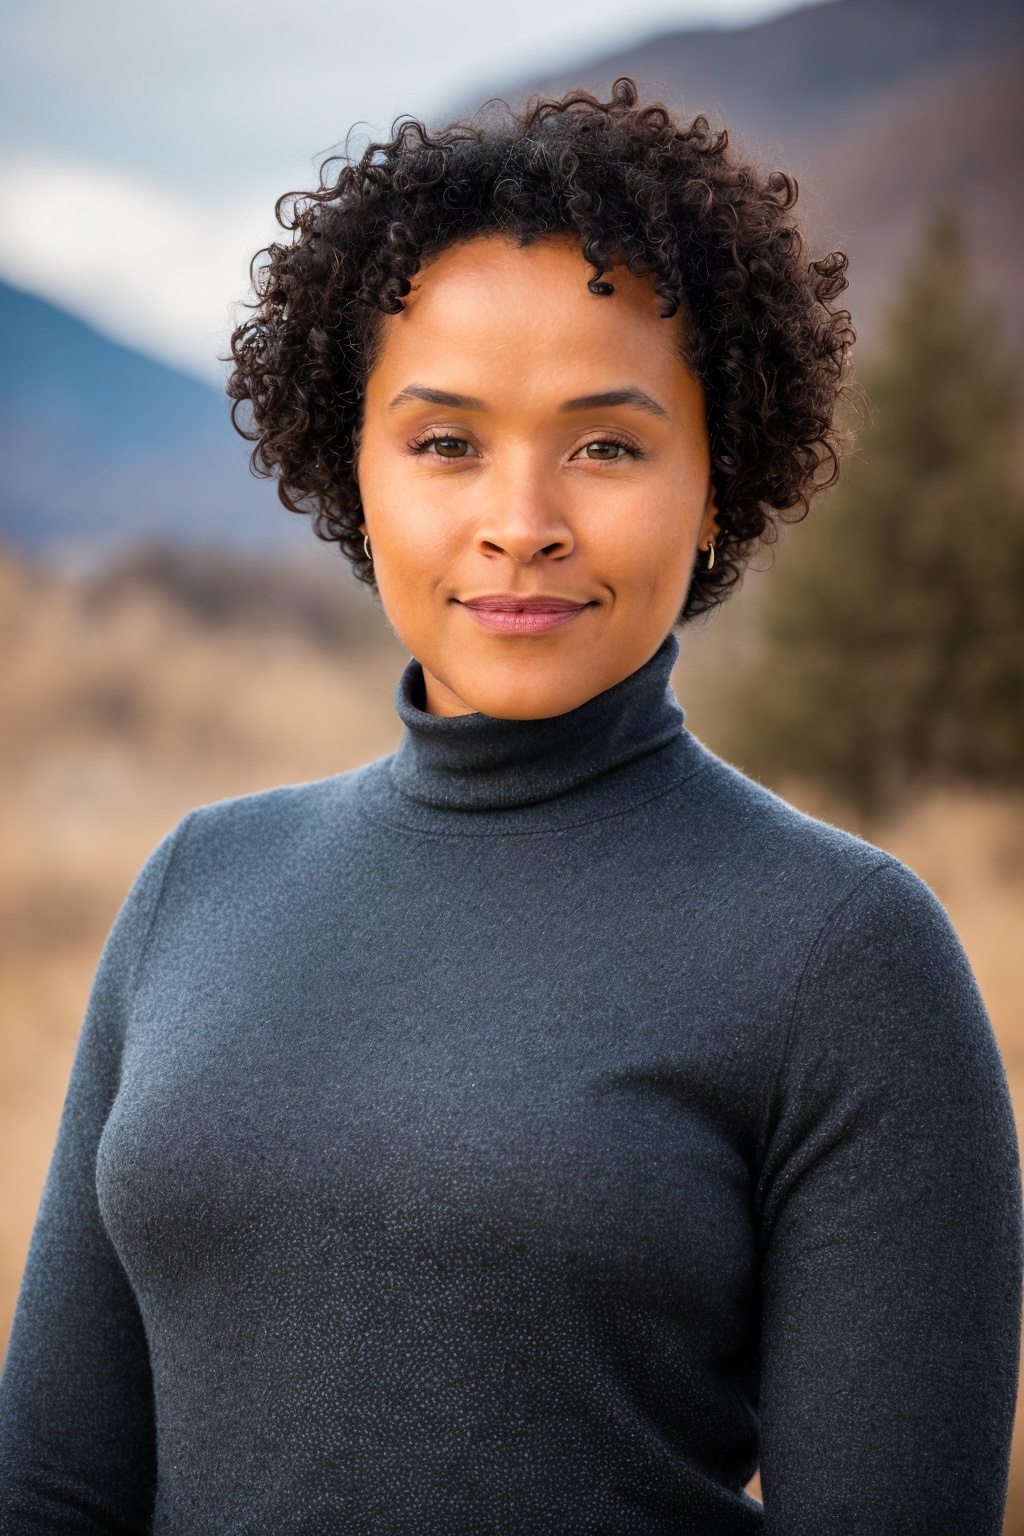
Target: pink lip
[[507, 614]]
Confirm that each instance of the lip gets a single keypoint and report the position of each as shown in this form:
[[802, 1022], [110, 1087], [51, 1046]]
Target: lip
[[508, 613]]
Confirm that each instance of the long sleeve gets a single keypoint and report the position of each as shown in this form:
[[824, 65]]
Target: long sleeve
[[77, 1443], [892, 1240], [437, 1207]]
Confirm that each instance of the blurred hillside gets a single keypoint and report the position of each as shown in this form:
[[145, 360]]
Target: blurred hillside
[[880, 107], [101, 447], [809, 73]]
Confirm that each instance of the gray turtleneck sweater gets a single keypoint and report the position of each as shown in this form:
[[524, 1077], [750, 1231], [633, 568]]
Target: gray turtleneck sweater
[[529, 1133]]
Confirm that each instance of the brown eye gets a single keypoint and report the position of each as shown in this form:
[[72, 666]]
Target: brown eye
[[604, 451], [449, 447]]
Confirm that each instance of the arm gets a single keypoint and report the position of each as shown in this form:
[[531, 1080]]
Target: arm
[[890, 1203], [77, 1443]]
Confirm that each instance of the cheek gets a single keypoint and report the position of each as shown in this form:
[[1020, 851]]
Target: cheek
[[401, 532], [379, 474], [409, 515], [416, 552], [413, 547], [645, 536]]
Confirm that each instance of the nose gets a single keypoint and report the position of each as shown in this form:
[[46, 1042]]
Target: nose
[[523, 520]]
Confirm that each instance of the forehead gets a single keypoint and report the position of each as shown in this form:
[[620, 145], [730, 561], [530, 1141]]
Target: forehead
[[515, 311]]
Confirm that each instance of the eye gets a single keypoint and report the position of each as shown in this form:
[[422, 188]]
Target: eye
[[605, 450], [446, 447]]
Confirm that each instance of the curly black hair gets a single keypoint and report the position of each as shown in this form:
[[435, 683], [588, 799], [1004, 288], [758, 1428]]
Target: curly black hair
[[632, 184]]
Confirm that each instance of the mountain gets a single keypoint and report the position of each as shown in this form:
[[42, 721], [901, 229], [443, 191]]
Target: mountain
[[880, 107], [958, 138], [791, 79], [101, 446]]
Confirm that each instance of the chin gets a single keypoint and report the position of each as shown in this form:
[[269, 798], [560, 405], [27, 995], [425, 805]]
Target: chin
[[537, 691]]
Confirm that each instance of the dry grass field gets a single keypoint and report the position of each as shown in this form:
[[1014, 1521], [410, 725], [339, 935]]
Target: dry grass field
[[120, 709]]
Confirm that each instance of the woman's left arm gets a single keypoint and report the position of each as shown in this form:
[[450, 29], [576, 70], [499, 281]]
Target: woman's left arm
[[77, 1430], [891, 1222]]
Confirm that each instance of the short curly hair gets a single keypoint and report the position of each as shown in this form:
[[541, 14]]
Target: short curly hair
[[632, 184]]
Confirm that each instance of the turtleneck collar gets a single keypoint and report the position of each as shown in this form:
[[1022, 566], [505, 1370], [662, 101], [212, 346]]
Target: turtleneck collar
[[478, 763]]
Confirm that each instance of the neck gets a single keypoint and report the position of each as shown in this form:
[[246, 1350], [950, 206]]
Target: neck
[[474, 762], [442, 700]]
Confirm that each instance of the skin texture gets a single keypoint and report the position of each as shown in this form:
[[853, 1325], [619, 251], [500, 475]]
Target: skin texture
[[528, 489]]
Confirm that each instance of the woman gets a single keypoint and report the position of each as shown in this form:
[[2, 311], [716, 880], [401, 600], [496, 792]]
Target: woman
[[538, 1129]]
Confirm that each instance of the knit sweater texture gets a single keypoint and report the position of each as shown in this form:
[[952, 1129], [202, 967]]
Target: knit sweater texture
[[531, 1132]]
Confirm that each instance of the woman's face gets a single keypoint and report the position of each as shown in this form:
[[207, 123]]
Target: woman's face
[[535, 477]]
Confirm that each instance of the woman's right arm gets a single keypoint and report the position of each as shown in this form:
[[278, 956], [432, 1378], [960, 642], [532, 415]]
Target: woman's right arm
[[77, 1440]]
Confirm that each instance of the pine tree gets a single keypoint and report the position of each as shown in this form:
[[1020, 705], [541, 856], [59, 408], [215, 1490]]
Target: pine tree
[[894, 620]]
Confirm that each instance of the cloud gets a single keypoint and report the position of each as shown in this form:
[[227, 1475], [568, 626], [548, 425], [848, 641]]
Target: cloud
[[159, 272]]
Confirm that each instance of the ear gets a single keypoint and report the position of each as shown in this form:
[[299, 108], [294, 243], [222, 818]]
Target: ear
[[710, 527]]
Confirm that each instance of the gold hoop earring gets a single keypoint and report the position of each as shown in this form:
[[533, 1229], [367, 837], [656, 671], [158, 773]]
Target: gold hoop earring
[[366, 548], [711, 556]]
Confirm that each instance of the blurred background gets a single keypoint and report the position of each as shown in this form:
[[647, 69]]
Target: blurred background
[[169, 635]]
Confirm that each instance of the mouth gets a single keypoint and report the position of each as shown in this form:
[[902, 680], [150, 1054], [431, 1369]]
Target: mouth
[[505, 613]]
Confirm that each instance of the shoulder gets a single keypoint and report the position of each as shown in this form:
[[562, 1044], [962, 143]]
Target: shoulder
[[837, 902], [775, 860], [751, 817], [293, 818], [286, 805], [271, 840], [887, 977]]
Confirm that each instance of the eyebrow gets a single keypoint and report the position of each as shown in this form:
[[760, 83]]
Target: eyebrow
[[636, 397], [609, 397], [437, 397]]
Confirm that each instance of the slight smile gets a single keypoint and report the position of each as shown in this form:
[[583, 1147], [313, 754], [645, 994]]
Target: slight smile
[[509, 614]]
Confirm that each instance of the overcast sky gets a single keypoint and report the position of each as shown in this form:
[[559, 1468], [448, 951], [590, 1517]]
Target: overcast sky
[[142, 142]]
